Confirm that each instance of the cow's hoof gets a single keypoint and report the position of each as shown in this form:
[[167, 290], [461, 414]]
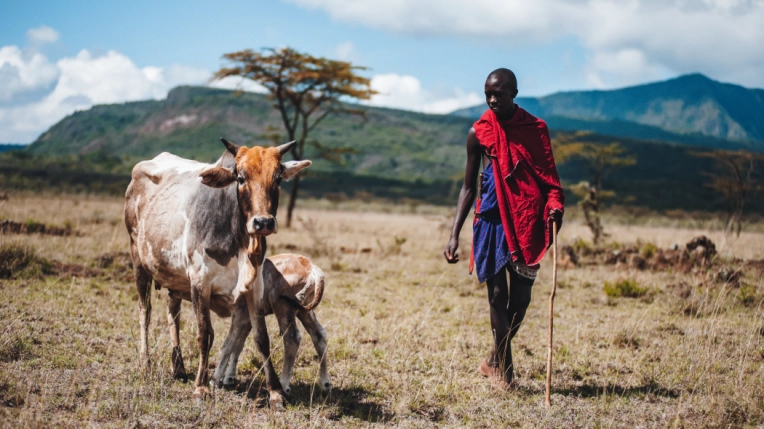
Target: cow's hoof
[[201, 394], [326, 386], [277, 400], [229, 382], [180, 375]]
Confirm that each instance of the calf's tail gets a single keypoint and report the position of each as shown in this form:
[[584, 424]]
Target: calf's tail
[[317, 295]]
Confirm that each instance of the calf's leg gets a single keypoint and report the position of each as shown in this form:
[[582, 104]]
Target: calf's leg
[[291, 336], [318, 336], [233, 345], [257, 318]]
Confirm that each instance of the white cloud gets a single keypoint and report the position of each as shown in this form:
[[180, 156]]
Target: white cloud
[[625, 65], [42, 34], [22, 74], [406, 92], [345, 51], [35, 93], [238, 83], [722, 38]]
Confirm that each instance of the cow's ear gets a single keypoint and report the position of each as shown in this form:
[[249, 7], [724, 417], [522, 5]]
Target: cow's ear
[[291, 168], [217, 177]]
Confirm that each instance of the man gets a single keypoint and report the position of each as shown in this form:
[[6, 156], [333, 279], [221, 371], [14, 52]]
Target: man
[[520, 196]]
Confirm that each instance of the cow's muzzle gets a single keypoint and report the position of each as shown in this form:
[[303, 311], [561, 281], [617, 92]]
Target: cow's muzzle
[[263, 225]]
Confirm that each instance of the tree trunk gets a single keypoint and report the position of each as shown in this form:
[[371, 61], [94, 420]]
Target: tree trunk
[[292, 200]]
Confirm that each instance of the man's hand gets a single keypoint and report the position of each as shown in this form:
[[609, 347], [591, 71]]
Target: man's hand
[[450, 251], [556, 216]]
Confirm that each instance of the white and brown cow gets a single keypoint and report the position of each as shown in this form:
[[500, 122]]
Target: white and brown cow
[[294, 286], [199, 229]]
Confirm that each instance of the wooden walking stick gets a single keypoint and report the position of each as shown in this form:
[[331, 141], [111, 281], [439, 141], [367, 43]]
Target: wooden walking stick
[[551, 316]]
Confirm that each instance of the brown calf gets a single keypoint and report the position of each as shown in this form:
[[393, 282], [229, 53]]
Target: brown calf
[[293, 288]]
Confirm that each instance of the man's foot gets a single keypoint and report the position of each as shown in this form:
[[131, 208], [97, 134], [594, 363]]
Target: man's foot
[[498, 381]]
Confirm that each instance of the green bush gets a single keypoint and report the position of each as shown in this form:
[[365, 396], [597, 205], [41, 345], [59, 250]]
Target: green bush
[[582, 247], [18, 260], [16, 349], [648, 250], [748, 296], [624, 288]]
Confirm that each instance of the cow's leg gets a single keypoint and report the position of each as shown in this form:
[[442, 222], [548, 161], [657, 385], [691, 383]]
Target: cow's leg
[[257, 318], [173, 319], [291, 336], [318, 336], [233, 345], [143, 284], [200, 299]]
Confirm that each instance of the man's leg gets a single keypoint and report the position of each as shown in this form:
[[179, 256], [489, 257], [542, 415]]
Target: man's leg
[[498, 298], [508, 306]]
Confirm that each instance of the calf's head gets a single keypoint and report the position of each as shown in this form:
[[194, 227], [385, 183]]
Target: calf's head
[[258, 174]]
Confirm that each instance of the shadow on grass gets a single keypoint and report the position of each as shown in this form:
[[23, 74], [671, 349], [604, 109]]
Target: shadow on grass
[[592, 390], [355, 402]]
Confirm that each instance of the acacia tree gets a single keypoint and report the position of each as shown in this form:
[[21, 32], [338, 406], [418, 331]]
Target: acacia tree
[[599, 160], [736, 182], [306, 90]]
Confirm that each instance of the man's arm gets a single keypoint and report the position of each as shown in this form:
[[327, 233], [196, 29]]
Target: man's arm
[[466, 195]]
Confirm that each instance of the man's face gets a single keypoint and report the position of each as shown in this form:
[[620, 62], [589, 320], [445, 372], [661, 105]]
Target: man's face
[[500, 95]]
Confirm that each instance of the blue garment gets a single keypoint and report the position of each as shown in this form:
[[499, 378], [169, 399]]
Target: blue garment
[[489, 243]]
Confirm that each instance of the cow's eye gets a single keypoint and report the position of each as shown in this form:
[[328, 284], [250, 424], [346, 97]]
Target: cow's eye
[[241, 180]]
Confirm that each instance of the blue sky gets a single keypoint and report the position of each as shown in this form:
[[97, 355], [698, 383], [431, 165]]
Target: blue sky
[[426, 55]]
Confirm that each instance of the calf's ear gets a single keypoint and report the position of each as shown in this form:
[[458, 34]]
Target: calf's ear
[[217, 177], [291, 168]]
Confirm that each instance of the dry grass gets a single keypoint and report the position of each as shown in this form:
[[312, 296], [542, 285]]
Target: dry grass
[[406, 333]]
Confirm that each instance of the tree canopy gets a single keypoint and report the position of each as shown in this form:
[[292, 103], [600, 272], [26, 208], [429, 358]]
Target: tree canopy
[[599, 160], [306, 90]]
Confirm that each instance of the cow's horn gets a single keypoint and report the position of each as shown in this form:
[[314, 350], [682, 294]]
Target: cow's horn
[[284, 148], [230, 146]]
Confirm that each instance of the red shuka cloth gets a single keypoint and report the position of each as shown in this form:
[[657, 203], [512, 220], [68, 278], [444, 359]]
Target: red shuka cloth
[[527, 183]]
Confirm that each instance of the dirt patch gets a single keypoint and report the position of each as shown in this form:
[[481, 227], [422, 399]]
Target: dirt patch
[[700, 252], [75, 270]]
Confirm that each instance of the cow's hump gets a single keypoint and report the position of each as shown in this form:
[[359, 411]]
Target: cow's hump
[[165, 165]]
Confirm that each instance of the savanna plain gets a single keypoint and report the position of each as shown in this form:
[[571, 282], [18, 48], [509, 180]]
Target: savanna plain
[[635, 345]]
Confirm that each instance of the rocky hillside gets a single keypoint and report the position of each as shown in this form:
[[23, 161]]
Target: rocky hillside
[[690, 109]]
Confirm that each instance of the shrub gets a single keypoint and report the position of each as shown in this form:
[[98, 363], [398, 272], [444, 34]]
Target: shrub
[[582, 247], [626, 340], [18, 348], [624, 288], [648, 250], [17, 260], [748, 295]]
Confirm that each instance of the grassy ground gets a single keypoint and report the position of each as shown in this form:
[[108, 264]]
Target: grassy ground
[[406, 334]]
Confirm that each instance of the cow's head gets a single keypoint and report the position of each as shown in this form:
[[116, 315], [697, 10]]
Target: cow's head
[[258, 174]]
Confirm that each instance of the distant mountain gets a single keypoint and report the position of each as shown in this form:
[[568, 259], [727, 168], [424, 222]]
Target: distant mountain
[[395, 155], [5, 147], [690, 109], [388, 143]]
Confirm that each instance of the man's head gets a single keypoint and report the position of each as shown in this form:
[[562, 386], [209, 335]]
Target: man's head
[[500, 92]]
